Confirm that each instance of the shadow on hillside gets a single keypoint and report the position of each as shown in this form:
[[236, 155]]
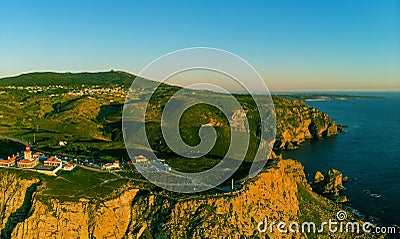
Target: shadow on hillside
[[111, 117]]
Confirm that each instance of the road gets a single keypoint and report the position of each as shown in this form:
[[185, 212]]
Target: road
[[14, 139]]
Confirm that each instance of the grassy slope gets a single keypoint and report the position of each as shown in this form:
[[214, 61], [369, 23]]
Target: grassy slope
[[92, 125], [74, 185]]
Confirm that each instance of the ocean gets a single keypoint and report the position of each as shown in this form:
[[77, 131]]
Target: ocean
[[368, 152]]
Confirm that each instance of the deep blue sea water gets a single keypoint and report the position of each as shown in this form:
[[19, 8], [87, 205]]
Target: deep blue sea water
[[368, 153]]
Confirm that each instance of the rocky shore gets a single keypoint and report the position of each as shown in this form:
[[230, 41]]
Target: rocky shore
[[330, 185]]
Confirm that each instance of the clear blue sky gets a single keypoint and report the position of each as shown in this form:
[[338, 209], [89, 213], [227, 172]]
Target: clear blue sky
[[295, 45]]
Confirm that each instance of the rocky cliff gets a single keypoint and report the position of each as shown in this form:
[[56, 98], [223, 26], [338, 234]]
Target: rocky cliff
[[15, 201], [330, 185], [280, 193], [297, 122]]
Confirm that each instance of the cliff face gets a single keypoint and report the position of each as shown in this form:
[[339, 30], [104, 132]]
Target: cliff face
[[83, 219], [281, 194], [15, 201], [273, 194], [297, 122]]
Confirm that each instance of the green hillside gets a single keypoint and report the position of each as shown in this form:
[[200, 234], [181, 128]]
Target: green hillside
[[46, 108], [69, 79]]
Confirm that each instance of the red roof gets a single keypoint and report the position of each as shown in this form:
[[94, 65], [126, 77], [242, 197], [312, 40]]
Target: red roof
[[52, 159], [25, 161], [38, 153], [8, 160], [69, 166]]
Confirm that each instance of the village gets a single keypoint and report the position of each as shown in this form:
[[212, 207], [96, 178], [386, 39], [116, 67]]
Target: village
[[116, 93], [83, 90]]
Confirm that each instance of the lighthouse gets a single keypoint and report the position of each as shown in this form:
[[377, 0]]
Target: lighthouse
[[28, 161], [28, 153]]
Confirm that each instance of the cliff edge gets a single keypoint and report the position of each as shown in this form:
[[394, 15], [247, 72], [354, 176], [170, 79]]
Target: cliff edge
[[280, 193], [297, 122]]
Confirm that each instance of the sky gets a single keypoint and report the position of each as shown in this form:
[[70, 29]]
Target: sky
[[294, 45]]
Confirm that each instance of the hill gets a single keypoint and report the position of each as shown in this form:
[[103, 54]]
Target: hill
[[69, 79], [45, 108]]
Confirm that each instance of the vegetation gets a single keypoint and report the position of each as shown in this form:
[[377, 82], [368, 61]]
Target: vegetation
[[104, 79], [46, 108], [75, 185], [317, 209], [9, 147], [85, 111]]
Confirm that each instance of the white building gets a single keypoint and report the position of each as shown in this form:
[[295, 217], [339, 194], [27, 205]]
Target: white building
[[111, 166], [69, 167]]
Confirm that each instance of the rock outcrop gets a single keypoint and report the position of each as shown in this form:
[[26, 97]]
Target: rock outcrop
[[297, 122], [330, 185]]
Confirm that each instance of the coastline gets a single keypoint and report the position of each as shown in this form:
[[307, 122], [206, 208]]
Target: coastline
[[370, 126], [325, 139]]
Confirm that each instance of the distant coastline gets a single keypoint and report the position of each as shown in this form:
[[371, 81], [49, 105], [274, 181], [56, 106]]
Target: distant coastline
[[326, 96]]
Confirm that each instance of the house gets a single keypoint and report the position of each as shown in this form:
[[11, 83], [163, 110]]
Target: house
[[111, 166], [52, 161], [10, 162], [69, 167], [141, 159], [28, 161]]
